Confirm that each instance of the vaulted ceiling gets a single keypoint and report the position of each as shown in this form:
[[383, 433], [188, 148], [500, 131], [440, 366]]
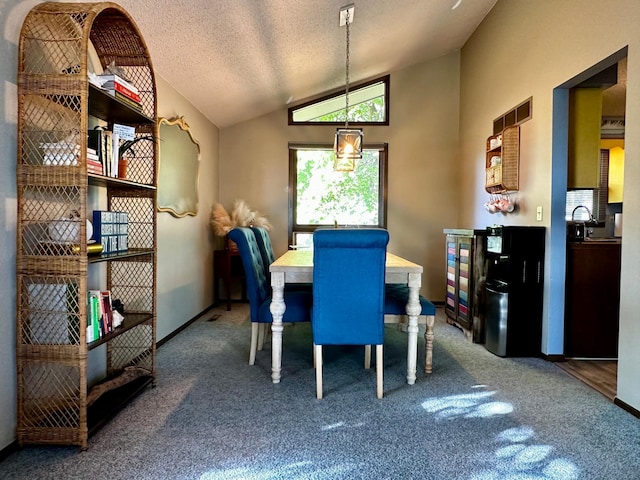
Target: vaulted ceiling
[[239, 59]]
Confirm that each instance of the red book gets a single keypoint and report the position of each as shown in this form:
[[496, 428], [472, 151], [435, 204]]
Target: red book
[[118, 87], [107, 313]]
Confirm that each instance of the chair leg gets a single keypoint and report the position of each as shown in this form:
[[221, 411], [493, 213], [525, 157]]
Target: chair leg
[[261, 335], [367, 356], [318, 356], [255, 326], [379, 368]]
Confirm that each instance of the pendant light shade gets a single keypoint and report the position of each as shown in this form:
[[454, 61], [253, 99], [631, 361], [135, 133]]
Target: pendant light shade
[[348, 148]]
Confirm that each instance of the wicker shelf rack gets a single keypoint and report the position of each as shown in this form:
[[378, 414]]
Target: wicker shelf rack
[[503, 161], [60, 43]]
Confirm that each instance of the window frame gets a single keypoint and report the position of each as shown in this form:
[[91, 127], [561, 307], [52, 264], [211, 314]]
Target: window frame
[[342, 91], [383, 152]]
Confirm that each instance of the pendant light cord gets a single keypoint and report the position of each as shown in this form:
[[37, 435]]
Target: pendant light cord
[[346, 108]]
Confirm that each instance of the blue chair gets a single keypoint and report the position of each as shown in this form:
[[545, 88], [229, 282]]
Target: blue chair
[[266, 249], [348, 293], [259, 292], [268, 257]]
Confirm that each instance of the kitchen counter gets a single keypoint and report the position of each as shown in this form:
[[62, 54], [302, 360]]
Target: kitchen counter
[[615, 240]]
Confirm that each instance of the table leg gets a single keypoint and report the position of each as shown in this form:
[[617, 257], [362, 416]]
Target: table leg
[[277, 309], [428, 344], [413, 311], [227, 279]]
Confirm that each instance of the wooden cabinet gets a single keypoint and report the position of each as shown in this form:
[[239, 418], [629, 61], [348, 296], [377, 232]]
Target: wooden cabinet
[[592, 303], [502, 161], [466, 273], [68, 387]]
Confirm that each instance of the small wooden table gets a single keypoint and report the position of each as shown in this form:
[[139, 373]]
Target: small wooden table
[[296, 266], [227, 265]]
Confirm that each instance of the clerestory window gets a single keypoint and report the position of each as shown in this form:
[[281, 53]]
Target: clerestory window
[[368, 105]]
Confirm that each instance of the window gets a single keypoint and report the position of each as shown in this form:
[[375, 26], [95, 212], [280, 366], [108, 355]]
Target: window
[[322, 197], [578, 198], [368, 105], [595, 199]]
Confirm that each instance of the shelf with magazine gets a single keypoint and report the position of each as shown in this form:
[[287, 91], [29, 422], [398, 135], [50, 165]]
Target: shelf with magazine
[[69, 380]]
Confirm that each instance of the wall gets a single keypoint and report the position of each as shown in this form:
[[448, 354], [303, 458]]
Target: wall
[[422, 178], [185, 245], [524, 49], [184, 279]]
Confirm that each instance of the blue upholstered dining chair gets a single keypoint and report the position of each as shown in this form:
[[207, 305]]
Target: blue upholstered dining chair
[[259, 289], [348, 293], [265, 247]]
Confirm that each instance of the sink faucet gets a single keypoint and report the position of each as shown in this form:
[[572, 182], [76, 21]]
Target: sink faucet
[[591, 219]]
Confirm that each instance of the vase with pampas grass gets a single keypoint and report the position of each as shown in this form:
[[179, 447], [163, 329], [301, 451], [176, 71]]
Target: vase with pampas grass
[[241, 216]]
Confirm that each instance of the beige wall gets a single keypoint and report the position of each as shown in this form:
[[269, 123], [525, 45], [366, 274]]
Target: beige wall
[[185, 245], [423, 153], [524, 49]]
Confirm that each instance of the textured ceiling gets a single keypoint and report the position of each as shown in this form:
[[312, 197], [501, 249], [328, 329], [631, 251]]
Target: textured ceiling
[[239, 59]]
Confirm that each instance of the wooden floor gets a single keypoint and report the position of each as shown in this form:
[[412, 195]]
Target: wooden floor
[[600, 375]]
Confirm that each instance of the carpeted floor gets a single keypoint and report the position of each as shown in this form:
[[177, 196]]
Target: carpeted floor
[[476, 417]]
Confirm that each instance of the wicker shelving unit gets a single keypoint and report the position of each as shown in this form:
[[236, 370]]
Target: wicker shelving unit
[[503, 161], [58, 402]]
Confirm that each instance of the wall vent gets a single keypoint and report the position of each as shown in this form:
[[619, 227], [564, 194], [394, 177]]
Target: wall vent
[[517, 115]]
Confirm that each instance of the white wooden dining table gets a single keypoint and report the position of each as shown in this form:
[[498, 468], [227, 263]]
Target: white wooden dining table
[[296, 266]]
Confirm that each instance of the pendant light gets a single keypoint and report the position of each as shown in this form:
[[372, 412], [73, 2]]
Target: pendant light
[[348, 141]]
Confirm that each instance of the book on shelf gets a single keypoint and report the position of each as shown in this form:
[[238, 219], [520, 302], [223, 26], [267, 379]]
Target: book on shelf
[[95, 170], [127, 92], [126, 100], [105, 297], [101, 141], [94, 316], [109, 79]]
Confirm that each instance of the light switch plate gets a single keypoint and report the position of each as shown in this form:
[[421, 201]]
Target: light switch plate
[[539, 214]]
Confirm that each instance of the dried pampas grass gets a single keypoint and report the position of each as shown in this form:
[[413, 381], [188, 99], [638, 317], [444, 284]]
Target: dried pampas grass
[[220, 220], [241, 216]]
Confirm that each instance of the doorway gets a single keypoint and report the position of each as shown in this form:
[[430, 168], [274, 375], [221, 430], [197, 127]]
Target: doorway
[[613, 106]]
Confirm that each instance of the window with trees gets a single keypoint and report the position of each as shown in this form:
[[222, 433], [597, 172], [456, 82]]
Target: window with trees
[[322, 197]]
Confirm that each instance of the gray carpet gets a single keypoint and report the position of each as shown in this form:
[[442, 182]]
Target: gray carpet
[[476, 417]]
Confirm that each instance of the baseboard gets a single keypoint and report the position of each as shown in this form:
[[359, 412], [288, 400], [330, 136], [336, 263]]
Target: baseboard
[[8, 450], [159, 343], [554, 357], [627, 407]]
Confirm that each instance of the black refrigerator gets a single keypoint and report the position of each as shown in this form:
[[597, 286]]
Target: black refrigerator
[[514, 290]]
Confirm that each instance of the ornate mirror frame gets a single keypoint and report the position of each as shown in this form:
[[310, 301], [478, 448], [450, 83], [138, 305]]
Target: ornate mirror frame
[[178, 165]]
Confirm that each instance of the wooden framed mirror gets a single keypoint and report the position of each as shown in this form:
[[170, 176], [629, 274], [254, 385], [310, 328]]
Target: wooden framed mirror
[[178, 164]]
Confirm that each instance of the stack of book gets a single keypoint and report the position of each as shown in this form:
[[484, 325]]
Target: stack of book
[[99, 314], [101, 141], [93, 162], [123, 90]]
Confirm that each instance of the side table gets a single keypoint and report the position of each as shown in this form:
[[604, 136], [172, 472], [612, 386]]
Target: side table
[[227, 266]]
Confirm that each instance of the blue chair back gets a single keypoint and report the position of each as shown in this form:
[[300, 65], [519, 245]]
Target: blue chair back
[[348, 286], [266, 249], [298, 303], [258, 289]]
